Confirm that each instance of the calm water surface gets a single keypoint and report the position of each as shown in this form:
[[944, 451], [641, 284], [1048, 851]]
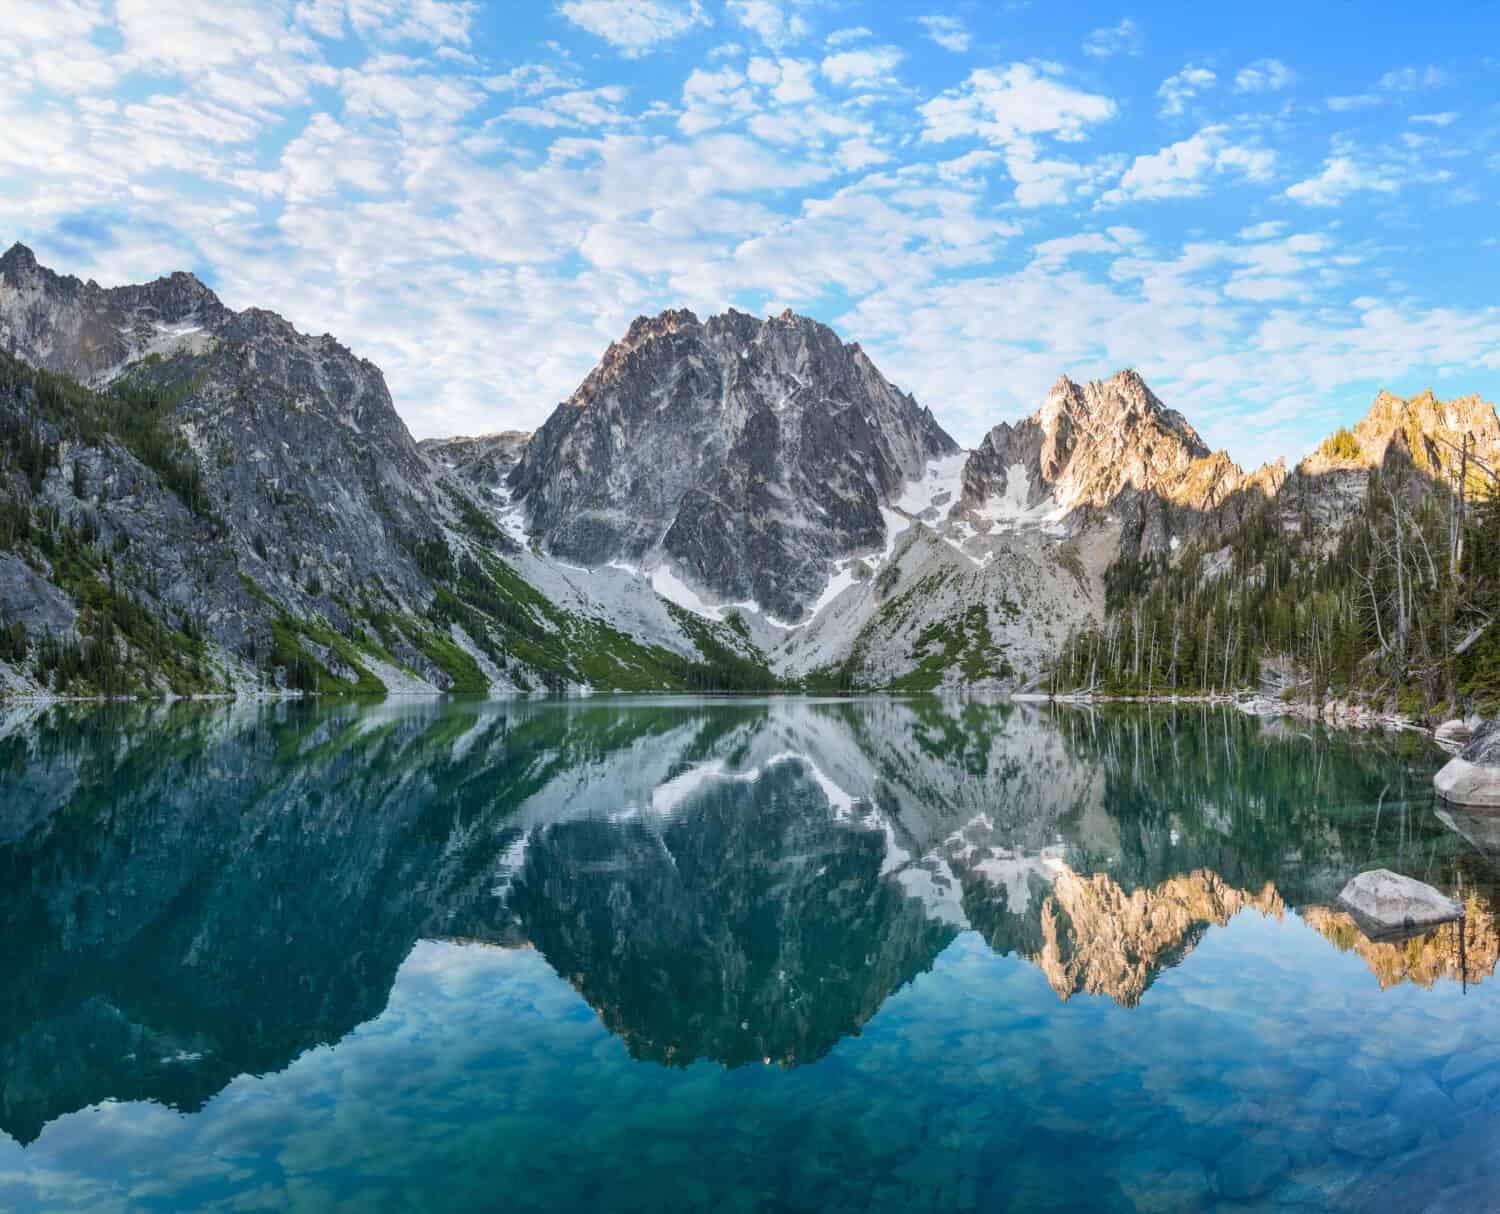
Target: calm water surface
[[689, 955]]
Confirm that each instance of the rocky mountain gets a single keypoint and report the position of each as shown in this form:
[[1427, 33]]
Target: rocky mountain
[[200, 499], [745, 455], [1367, 577], [999, 554], [195, 499], [1105, 448], [485, 461], [1422, 434]]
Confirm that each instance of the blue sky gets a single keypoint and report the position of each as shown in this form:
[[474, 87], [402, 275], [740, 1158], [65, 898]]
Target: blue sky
[[1271, 211]]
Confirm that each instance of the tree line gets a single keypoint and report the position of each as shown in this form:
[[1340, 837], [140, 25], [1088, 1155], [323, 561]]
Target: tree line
[[1398, 606]]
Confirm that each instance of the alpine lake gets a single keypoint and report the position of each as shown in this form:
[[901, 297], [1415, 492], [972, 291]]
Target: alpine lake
[[618, 954]]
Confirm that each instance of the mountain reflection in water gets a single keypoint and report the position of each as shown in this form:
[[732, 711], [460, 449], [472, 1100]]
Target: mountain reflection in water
[[191, 893]]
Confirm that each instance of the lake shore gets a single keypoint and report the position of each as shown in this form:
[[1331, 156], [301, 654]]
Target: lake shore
[[1343, 713]]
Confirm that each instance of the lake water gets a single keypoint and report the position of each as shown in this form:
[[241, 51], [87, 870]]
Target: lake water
[[731, 956]]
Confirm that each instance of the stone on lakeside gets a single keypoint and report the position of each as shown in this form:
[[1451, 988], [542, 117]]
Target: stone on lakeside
[[1386, 904], [1472, 777]]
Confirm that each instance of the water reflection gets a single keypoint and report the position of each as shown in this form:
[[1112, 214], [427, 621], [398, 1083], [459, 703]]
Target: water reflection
[[188, 893]]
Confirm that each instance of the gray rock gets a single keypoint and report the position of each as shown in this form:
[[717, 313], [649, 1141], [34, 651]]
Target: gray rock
[[1483, 1087], [32, 600], [1378, 1137], [485, 461], [748, 453], [1387, 905], [1472, 777], [1421, 1103]]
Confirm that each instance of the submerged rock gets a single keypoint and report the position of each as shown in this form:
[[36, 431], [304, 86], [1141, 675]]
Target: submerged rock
[[1386, 904], [1251, 1169], [1473, 777]]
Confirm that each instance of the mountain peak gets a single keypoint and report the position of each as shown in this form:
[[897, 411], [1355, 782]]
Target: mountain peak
[[1429, 430], [670, 320], [748, 453], [16, 258]]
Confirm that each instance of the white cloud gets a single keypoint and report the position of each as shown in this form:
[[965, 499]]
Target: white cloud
[[578, 108], [635, 26], [791, 81], [711, 98], [1439, 120], [855, 33], [1177, 90], [1410, 79], [1263, 231], [530, 79], [1182, 169], [1340, 177], [950, 33], [770, 20], [324, 158], [1049, 181], [1122, 39], [863, 68], [1218, 329], [1358, 101], [1263, 76], [1015, 107], [1059, 251], [482, 231], [1004, 105]]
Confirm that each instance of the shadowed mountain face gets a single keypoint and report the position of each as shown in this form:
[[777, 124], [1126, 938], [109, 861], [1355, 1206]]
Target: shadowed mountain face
[[190, 893]]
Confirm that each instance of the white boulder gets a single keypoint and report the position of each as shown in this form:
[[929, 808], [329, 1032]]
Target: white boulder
[[1386, 904], [1473, 776]]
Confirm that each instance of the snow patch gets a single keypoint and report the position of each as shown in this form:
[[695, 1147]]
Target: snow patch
[[939, 487], [511, 517], [1009, 511]]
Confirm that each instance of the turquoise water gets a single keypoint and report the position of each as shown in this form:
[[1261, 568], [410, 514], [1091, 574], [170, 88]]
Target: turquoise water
[[732, 955]]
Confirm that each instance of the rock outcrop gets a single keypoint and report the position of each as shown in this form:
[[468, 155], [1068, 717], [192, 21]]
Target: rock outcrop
[[1421, 434], [1107, 448], [1423, 959], [1387, 905], [485, 461], [1472, 777]]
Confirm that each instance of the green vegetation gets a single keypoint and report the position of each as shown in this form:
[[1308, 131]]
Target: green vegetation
[[1396, 609], [1341, 444], [538, 644], [132, 413], [963, 642], [727, 664], [124, 646]]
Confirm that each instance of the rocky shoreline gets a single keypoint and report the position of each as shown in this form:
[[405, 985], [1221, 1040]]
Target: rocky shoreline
[[1341, 713]]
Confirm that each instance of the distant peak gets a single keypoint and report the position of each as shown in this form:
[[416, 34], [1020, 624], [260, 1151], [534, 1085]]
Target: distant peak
[[18, 259], [1128, 377], [643, 328]]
